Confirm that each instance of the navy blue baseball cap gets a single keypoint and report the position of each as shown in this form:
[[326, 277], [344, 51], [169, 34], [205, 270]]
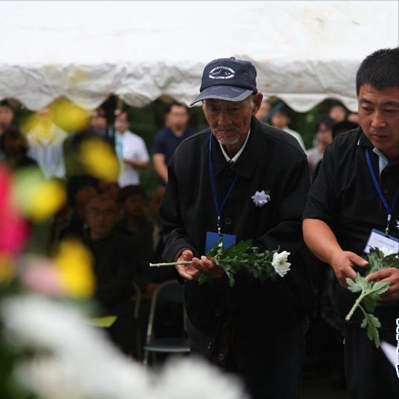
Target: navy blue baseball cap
[[227, 79]]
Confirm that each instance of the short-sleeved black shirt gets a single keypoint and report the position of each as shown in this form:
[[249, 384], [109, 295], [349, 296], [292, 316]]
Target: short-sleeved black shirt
[[343, 195]]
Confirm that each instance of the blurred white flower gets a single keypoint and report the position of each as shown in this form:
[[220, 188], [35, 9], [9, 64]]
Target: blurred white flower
[[79, 360], [280, 264], [194, 379]]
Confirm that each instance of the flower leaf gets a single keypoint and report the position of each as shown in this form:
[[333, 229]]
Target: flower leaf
[[244, 257], [370, 291], [372, 324]]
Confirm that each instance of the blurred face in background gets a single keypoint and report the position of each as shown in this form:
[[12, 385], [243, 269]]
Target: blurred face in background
[[280, 120], [98, 120], [324, 134], [6, 116], [101, 214], [135, 206], [122, 123], [82, 197], [177, 117], [338, 113]]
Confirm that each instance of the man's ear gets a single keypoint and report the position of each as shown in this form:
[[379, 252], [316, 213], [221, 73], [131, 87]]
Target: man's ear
[[258, 97]]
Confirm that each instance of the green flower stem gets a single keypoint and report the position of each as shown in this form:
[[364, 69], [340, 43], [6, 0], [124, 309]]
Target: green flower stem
[[169, 264], [356, 304]]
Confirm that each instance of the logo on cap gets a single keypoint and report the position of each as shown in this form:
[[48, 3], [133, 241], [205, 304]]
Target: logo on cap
[[222, 72]]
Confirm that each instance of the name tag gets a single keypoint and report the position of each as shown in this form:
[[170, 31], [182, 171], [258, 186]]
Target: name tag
[[378, 239], [226, 240]]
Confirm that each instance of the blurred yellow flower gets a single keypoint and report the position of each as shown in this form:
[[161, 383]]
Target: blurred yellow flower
[[99, 160], [74, 263], [37, 197], [62, 113], [69, 116]]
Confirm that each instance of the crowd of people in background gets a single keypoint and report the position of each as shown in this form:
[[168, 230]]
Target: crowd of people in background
[[133, 212], [119, 220]]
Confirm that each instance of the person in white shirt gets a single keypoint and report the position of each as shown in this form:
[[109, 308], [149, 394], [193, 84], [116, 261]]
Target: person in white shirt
[[131, 150], [45, 141]]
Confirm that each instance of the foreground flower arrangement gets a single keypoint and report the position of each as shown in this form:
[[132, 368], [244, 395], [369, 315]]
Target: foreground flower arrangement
[[48, 348], [370, 291], [69, 359], [242, 257]]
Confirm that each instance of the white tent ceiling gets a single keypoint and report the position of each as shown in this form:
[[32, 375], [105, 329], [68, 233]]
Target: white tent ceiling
[[304, 51]]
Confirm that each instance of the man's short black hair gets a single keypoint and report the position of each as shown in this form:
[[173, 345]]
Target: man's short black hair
[[6, 103], [379, 70], [176, 104]]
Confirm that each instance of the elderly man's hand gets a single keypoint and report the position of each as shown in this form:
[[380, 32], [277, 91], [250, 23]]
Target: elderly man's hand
[[207, 266], [188, 272]]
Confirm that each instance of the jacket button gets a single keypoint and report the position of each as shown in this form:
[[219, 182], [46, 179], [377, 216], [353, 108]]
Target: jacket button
[[216, 312], [228, 220], [221, 357]]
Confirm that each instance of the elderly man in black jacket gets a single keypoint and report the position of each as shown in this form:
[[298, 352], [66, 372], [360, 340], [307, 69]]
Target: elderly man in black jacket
[[240, 180]]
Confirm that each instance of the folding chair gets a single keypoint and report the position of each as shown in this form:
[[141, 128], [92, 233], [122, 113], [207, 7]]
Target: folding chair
[[137, 302], [173, 292]]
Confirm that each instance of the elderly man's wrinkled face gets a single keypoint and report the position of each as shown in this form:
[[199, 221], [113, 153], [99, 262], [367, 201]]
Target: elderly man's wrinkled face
[[230, 121]]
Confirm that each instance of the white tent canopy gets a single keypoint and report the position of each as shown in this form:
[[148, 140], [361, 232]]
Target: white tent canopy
[[304, 51]]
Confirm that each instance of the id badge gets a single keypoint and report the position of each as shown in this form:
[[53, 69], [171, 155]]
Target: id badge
[[226, 240], [378, 239]]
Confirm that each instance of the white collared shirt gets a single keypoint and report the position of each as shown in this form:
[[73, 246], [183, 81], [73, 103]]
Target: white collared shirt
[[234, 159]]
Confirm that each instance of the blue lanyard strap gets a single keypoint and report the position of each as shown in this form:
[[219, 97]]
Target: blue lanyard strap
[[388, 208], [213, 184]]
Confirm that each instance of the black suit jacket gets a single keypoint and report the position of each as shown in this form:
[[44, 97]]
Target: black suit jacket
[[258, 313]]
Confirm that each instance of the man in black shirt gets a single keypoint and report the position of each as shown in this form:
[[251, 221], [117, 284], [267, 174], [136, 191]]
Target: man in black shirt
[[357, 188]]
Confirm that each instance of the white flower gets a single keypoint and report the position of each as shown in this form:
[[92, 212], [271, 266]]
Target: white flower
[[387, 251], [76, 361], [260, 198], [397, 224], [280, 264]]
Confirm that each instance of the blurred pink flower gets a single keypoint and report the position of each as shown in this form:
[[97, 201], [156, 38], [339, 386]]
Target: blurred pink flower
[[40, 275], [13, 228]]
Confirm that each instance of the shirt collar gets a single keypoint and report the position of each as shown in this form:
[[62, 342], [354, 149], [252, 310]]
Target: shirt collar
[[382, 159], [234, 159]]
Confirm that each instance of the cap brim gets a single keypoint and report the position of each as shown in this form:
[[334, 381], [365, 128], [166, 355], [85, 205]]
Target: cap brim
[[226, 93]]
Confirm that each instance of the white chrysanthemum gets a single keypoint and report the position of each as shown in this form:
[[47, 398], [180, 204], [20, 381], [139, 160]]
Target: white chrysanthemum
[[80, 361], [280, 264], [193, 378], [75, 361], [387, 251]]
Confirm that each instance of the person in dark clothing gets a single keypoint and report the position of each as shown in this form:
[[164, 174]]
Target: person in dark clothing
[[355, 199], [166, 140], [248, 180], [14, 149], [114, 269]]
